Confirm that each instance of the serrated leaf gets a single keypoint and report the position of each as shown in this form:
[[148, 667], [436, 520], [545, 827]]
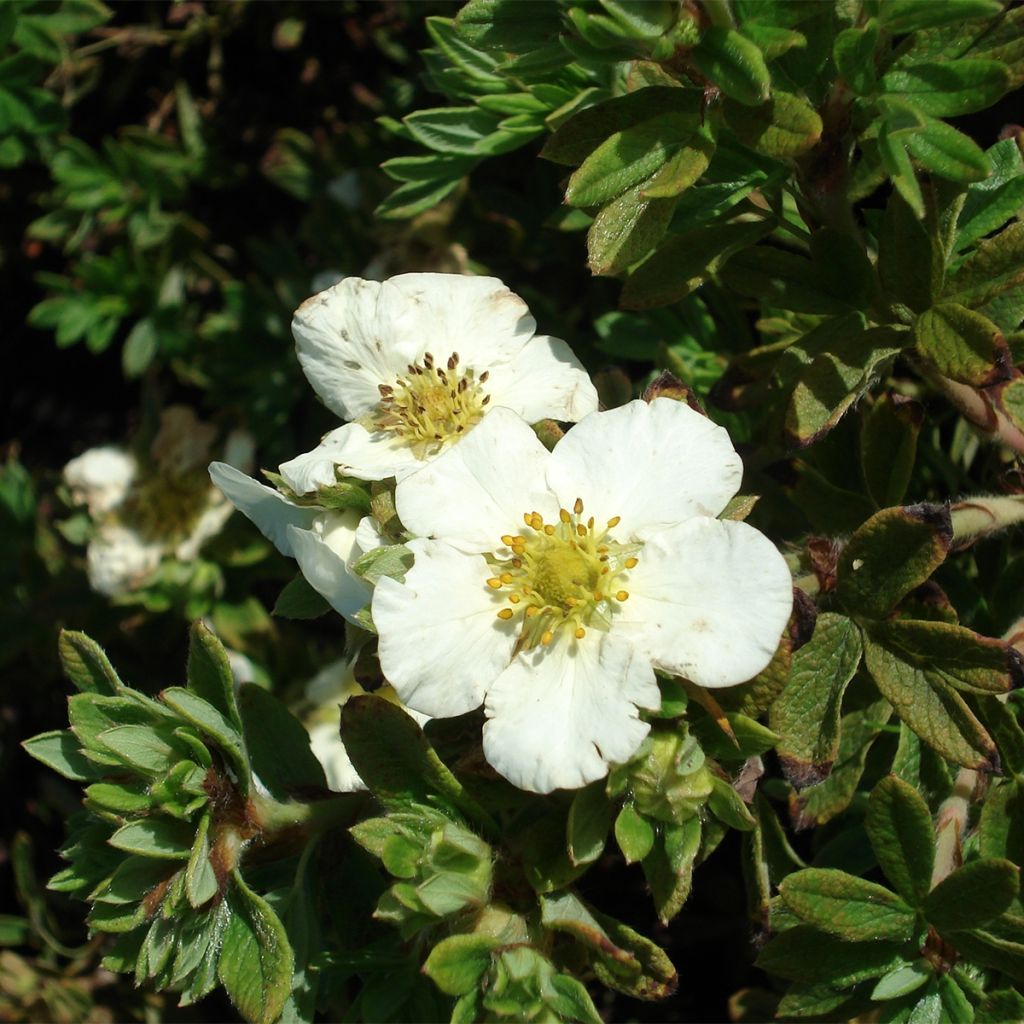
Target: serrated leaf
[[86, 665], [895, 551], [845, 905], [950, 88], [784, 127], [935, 712], [899, 825], [209, 672], [734, 64], [806, 713], [456, 964], [972, 895], [256, 961]]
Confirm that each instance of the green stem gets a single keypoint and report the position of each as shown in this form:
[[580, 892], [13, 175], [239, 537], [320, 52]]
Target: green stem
[[951, 824], [719, 13], [315, 817]]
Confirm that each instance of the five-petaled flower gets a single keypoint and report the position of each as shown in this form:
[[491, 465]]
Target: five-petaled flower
[[549, 586], [415, 363]]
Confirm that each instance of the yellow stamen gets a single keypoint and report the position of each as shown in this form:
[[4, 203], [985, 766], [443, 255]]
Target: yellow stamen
[[505, 613], [580, 633], [578, 507], [631, 563], [494, 583], [622, 595], [564, 515], [614, 521], [547, 638]]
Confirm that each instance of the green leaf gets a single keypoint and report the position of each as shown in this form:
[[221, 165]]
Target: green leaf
[[155, 837], [734, 64], [784, 127], [728, 806], [392, 560], [996, 266], [414, 197], [784, 279], [256, 961], [962, 344], [213, 723], [892, 149], [209, 672], [845, 905], [200, 879], [1000, 1006], [972, 895], [806, 954], [899, 16], [394, 759], [143, 747], [944, 151], [992, 950], [634, 154], [836, 379], [634, 834], [456, 964], [951, 88], [806, 713], [578, 137], [903, 981], [626, 230], [588, 824], [895, 551], [991, 203], [899, 825], [465, 131], [935, 712], [86, 665], [298, 600], [668, 868], [854, 53], [517, 26], [888, 446], [60, 751], [905, 256], [278, 745], [683, 262]]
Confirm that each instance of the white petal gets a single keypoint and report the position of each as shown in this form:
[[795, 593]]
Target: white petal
[[544, 380], [478, 489], [270, 511], [441, 643], [119, 560], [210, 522], [353, 337], [708, 601], [325, 741], [559, 716], [653, 465], [353, 451], [477, 317], [325, 569], [100, 478], [368, 536]]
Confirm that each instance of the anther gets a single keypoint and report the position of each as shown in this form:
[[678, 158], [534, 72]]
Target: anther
[[507, 538], [428, 360], [578, 507], [487, 398], [581, 530], [453, 361], [622, 595], [494, 583], [580, 633], [614, 521], [505, 613], [532, 611], [547, 637], [590, 523], [514, 598], [631, 563], [483, 379], [549, 530], [506, 577], [563, 514]]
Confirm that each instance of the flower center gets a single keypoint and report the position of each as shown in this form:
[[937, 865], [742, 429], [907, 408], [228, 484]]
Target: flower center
[[562, 577], [432, 405], [165, 507]]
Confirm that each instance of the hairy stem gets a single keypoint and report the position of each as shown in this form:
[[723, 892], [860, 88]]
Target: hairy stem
[[951, 823], [975, 406]]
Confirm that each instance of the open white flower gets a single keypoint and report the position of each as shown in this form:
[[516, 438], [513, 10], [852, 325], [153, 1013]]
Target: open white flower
[[549, 586], [325, 543], [100, 477], [416, 362]]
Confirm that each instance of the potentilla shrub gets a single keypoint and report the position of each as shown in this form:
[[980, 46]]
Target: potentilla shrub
[[615, 617]]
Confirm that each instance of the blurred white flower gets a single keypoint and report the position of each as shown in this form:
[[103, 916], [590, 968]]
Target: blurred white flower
[[100, 477], [416, 362], [119, 560], [554, 583]]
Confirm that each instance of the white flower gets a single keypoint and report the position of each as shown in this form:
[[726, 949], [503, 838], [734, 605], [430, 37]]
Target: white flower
[[326, 544], [118, 559], [416, 362], [549, 586], [100, 478], [329, 689]]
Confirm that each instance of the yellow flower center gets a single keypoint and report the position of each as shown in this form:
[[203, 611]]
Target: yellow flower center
[[165, 507], [565, 577], [432, 405]]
